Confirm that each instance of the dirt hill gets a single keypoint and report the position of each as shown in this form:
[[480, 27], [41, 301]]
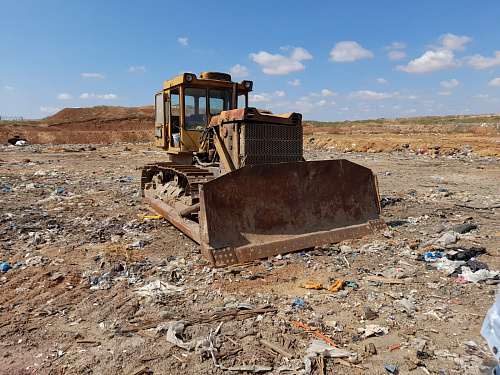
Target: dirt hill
[[102, 124], [85, 125]]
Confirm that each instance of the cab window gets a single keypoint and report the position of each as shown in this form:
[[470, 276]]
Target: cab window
[[242, 101], [174, 110], [219, 101], [195, 108], [160, 117]]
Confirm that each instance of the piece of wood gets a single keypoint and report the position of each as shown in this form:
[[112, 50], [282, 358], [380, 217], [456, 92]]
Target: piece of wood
[[347, 363], [126, 330], [321, 365], [226, 353], [139, 370], [386, 280], [97, 343], [277, 348]]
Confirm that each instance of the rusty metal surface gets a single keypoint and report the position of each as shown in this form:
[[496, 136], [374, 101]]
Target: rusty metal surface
[[229, 256], [262, 210], [188, 227], [256, 115]]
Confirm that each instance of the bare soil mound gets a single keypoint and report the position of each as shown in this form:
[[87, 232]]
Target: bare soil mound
[[85, 125], [447, 134]]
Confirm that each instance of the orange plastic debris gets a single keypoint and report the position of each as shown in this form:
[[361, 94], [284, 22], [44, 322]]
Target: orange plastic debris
[[395, 347], [336, 286], [311, 285], [413, 245], [316, 332]]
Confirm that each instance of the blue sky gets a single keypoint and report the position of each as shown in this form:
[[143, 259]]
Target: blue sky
[[330, 60]]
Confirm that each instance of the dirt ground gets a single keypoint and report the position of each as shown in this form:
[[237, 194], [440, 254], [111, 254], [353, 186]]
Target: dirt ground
[[90, 287]]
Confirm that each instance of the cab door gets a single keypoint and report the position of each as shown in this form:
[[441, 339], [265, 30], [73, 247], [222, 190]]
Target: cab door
[[161, 120]]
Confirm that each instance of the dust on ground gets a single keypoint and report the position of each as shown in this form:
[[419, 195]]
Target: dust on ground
[[93, 288]]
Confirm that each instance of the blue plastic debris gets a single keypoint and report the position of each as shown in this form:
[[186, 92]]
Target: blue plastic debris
[[61, 191], [5, 267], [393, 369], [298, 302], [352, 284], [434, 255]]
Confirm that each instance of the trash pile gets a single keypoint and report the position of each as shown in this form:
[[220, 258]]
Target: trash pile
[[93, 281]]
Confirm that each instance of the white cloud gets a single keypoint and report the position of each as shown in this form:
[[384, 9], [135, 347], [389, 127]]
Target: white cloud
[[239, 71], [409, 112], [449, 84], [397, 107], [452, 42], [430, 61], [412, 97], [345, 109], [393, 54], [487, 99], [64, 96], [445, 93], [349, 51], [9, 88], [93, 75], [103, 97], [137, 68], [396, 55], [481, 62], [304, 104], [183, 41], [327, 93], [265, 97], [366, 94], [49, 109], [279, 64], [382, 80], [395, 45], [295, 82], [494, 82]]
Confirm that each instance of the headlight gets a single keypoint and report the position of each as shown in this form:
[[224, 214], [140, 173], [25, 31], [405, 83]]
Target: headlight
[[189, 77], [247, 84]]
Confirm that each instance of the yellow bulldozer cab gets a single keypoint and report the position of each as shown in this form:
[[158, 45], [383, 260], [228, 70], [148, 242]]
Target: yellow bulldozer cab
[[186, 105]]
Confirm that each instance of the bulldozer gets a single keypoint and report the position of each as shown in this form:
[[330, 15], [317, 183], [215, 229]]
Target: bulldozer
[[235, 179]]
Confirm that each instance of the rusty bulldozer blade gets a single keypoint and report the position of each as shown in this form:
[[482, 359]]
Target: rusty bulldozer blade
[[263, 210]]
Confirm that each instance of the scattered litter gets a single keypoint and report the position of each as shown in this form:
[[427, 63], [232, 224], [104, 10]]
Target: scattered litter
[[311, 285], [393, 369], [336, 286], [375, 330]]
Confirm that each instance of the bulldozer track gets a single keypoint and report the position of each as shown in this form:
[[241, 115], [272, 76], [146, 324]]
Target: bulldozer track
[[194, 175]]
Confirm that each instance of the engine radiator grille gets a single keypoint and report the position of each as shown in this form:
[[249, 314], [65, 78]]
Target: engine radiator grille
[[268, 143]]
